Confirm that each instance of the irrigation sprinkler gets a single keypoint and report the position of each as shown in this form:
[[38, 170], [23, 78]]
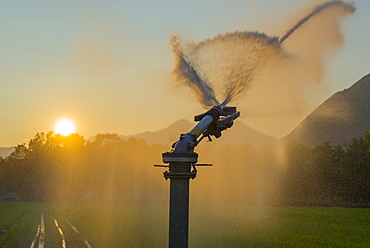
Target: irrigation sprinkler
[[182, 162]]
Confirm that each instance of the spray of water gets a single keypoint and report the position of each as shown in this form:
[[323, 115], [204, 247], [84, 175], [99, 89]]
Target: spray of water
[[224, 66], [226, 63], [348, 7]]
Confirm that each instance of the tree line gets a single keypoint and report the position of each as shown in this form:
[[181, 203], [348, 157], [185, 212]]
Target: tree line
[[53, 167], [56, 167], [328, 175]]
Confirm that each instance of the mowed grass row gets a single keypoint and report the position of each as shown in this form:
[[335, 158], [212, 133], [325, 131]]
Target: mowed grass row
[[18, 223], [115, 225], [146, 225]]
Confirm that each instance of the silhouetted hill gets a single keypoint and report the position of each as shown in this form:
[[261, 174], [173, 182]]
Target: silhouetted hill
[[343, 116], [166, 135], [238, 134], [5, 151]]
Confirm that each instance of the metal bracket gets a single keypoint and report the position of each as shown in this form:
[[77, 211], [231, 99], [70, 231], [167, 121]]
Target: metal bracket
[[160, 165]]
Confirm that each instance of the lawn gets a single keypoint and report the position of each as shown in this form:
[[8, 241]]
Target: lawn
[[282, 227], [146, 225], [18, 223]]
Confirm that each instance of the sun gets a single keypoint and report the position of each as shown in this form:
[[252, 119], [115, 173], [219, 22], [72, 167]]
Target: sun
[[65, 127]]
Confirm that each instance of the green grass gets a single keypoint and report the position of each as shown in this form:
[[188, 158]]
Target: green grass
[[115, 225], [21, 232], [146, 225], [282, 227]]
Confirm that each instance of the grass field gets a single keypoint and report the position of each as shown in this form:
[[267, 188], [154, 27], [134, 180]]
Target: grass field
[[146, 225], [18, 223]]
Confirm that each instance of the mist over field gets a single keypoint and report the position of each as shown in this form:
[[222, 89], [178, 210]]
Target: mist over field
[[227, 66]]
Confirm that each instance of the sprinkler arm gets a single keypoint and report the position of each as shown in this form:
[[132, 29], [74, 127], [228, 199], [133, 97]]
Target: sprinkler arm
[[211, 123]]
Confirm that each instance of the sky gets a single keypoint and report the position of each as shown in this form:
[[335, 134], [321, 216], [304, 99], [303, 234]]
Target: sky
[[107, 65]]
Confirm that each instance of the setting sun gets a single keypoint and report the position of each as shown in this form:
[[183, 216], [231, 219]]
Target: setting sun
[[65, 127]]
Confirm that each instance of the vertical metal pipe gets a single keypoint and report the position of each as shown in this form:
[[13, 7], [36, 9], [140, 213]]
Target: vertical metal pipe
[[179, 212]]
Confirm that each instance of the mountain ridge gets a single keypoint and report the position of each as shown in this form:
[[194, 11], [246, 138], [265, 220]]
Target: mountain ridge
[[6, 151], [238, 134], [340, 118]]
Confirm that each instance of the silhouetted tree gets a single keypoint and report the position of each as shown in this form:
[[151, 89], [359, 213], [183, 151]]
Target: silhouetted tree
[[328, 175], [55, 167], [357, 171]]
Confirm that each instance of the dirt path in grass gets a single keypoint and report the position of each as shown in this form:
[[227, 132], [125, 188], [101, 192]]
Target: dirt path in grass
[[61, 233], [39, 239], [69, 236], [80, 233]]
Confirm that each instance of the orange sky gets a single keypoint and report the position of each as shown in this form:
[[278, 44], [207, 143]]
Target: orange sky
[[107, 65]]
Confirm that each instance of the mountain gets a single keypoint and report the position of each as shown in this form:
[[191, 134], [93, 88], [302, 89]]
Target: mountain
[[164, 136], [343, 116], [5, 151], [238, 134]]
